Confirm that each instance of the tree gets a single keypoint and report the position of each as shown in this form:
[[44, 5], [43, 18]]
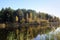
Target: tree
[[8, 15], [19, 14], [1, 15]]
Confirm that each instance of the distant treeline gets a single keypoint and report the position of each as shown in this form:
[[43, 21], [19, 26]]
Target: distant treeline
[[9, 15]]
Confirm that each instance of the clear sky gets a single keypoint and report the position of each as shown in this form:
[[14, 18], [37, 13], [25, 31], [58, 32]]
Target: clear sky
[[48, 6]]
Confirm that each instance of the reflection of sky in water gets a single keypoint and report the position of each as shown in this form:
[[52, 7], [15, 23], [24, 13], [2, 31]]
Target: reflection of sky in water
[[41, 37], [37, 38], [44, 36]]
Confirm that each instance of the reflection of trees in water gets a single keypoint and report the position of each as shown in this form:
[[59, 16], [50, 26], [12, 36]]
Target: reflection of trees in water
[[23, 32], [4, 33]]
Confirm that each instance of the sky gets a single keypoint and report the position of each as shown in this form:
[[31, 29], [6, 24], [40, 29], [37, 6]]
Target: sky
[[51, 7]]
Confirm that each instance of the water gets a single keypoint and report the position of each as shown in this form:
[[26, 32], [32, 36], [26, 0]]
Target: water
[[41, 37], [30, 32], [53, 35]]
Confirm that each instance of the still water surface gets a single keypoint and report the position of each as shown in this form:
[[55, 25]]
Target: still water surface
[[53, 35]]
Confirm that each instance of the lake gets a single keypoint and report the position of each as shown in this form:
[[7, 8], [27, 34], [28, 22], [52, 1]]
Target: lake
[[53, 35]]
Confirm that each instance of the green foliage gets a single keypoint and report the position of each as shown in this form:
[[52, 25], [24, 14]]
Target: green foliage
[[8, 15]]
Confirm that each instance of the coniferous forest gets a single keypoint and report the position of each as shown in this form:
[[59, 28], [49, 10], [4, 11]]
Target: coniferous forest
[[23, 24]]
